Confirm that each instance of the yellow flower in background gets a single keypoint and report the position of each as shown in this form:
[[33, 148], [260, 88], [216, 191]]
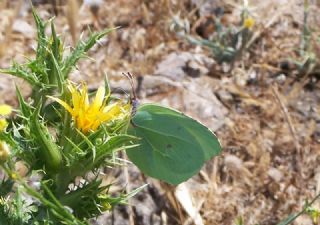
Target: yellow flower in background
[[314, 213], [13, 176], [249, 23], [4, 111], [3, 124], [89, 116]]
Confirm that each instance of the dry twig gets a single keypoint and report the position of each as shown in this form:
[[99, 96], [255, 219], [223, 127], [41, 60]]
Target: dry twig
[[170, 193], [72, 17], [128, 190], [287, 118]]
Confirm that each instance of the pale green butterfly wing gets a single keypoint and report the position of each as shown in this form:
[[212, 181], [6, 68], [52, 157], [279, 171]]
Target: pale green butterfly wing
[[172, 122], [173, 147], [153, 158]]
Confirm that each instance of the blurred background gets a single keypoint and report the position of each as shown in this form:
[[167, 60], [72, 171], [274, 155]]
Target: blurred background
[[248, 70]]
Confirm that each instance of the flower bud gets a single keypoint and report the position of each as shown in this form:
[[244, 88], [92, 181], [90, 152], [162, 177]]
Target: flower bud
[[99, 141], [104, 202], [5, 110], [4, 151], [49, 152]]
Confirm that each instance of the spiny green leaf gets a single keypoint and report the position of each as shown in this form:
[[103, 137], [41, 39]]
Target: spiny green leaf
[[56, 72], [14, 211], [81, 49], [24, 107], [6, 187], [56, 46], [42, 43], [48, 150], [112, 144], [19, 71], [84, 199]]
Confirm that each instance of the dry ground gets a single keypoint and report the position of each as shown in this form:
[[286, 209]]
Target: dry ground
[[267, 116]]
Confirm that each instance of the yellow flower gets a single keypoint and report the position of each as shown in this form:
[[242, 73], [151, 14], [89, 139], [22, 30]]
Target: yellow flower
[[3, 124], [88, 117], [4, 151], [248, 23], [13, 176], [4, 111]]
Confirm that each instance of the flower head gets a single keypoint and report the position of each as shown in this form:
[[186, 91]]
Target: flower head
[[89, 116], [4, 111], [248, 23]]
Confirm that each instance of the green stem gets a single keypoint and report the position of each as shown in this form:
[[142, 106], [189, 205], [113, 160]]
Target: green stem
[[59, 210], [62, 181], [65, 96], [57, 206], [291, 219]]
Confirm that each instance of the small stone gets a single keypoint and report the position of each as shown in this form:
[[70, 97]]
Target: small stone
[[233, 162], [275, 174], [21, 26]]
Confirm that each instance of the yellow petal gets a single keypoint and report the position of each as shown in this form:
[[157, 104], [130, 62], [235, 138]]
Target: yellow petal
[[5, 110], [96, 124], [109, 107], [84, 101], [111, 112], [63, 103], [3, 124], [98, 101], [88, 126], [76, 97], [81, 120], [89, 116]]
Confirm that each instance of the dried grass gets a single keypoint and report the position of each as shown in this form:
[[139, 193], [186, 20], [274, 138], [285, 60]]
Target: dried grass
[[261, 175]]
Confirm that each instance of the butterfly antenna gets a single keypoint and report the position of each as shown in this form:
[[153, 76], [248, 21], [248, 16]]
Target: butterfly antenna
[[131, 80], [134, 99]]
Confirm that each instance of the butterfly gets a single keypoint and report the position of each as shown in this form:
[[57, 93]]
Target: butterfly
[[172, 146]]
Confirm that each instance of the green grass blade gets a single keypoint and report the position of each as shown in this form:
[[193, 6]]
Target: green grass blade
[[293, 217]]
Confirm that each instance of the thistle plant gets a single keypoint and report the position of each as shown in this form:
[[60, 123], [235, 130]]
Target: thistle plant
[[227, 42], [61, 134], [308, 53]]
